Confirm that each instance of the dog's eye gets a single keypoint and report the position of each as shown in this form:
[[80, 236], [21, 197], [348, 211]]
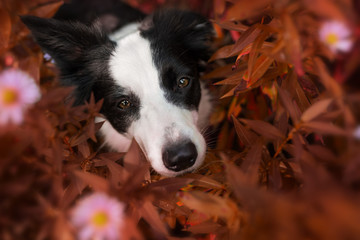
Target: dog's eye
[[183, 82], [124, 104]]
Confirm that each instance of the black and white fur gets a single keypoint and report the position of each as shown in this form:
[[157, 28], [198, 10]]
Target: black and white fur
[[141, 66]]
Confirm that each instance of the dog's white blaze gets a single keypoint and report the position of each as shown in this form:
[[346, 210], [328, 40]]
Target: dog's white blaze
[[160, 122]]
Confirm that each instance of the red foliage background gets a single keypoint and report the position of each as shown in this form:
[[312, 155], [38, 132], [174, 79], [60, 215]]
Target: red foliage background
[[284, 162]]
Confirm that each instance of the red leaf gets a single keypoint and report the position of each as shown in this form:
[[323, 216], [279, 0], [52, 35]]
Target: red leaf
[[246, 9], [324, 128], [94, 181], [293, 45], [5, 26], [246, 137], [288, 103], [264, 129], [261, 66], [231, 50], [46, 10], [316, 109], [151, 215]]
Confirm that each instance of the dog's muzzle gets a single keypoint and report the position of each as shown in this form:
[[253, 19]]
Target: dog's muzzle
[[179, 156]]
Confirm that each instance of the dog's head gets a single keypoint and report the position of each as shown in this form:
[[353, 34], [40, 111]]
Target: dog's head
[[149, 81]]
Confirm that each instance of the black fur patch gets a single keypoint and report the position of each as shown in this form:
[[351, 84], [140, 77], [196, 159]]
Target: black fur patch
[[179, 40], [80, 52]]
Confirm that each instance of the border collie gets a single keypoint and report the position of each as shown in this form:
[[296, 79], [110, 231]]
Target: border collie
[[146, 71]]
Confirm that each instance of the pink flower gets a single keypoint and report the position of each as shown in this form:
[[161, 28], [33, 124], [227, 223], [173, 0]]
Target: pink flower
[[17, 92], [98, 216], [336, 35]]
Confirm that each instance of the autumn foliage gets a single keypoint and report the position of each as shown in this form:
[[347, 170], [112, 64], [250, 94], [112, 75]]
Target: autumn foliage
[[284, 139]]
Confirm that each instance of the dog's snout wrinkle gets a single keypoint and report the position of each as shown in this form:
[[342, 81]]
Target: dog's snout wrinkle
[[180, 156]]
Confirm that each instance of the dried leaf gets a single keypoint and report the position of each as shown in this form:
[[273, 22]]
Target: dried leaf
[[204, 181]]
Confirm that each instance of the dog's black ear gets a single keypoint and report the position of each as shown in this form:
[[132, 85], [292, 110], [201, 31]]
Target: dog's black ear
[[66, 42], [190, 29], [79, 51]]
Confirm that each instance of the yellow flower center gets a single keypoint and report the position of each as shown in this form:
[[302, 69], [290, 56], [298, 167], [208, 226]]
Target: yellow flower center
[[9, 96], [332, 38], [100, 219]]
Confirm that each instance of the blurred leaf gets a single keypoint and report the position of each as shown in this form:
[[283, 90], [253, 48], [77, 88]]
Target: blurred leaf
[[264, 129], [251, 163], [118, 174], [219, 7], [328, 9], [324, 128], [328, 81], [260, 67], [5, 26], [151, 215], [246, 9], [255, 50], [246, 137], [204, 227], [231, 25], [233, 79], [245, 39], [204, 181], [134, 157], [322, 153], [95, 182], [212, 206], [169, 185], [316, 109], [293, 46], [46, 10], [220, 72], [288, 103], [72, 191]]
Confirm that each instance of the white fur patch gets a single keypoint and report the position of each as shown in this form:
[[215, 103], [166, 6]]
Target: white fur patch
[[160, 122]]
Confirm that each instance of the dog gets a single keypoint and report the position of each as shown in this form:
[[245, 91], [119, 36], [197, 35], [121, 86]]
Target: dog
[[146, 69]]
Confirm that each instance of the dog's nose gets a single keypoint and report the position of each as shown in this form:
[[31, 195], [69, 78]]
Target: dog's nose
[[180, 156]]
